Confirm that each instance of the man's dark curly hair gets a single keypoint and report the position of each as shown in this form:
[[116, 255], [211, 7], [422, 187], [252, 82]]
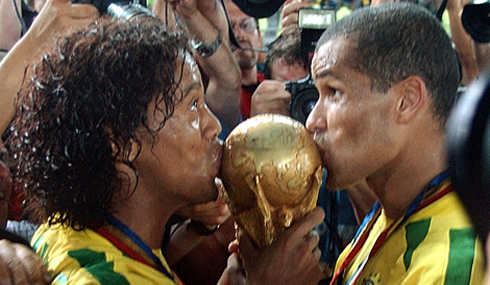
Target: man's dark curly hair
[[83, 108]]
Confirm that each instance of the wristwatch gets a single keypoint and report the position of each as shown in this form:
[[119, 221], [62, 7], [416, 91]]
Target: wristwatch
[[205, 49]]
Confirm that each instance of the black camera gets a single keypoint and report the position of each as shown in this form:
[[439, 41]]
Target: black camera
[[303, 98], [476, 21], [313, 22]]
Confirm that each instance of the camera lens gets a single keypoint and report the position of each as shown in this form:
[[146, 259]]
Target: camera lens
[[303, 103], [308, 106]]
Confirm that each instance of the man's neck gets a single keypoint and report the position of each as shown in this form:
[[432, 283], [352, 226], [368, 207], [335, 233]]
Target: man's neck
[[145, 220], [398, 187]]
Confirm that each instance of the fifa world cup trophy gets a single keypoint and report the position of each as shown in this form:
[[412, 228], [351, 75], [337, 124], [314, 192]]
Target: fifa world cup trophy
[[271, 172]]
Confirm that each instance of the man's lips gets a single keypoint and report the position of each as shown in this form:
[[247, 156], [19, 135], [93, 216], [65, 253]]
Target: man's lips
[[319, 141], [218, 157]]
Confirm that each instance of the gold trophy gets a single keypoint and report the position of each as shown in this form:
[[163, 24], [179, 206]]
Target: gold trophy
[[271, 171]]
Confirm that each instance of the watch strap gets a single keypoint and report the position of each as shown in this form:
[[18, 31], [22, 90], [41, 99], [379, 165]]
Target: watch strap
[[208, 49]]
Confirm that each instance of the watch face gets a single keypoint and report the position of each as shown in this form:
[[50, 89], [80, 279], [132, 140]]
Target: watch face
[[205, 51]]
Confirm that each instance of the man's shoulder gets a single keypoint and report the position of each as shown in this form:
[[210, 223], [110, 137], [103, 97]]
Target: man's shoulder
[[85, 257]]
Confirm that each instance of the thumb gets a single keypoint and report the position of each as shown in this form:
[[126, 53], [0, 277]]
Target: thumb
[[304, 226], [247, 248]]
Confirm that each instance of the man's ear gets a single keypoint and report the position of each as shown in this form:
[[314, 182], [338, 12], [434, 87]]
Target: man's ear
[[412, 94], [125, 155]]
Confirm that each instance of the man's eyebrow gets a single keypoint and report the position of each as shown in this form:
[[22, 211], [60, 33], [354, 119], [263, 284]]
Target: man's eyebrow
[[194, 85], [323, 74]]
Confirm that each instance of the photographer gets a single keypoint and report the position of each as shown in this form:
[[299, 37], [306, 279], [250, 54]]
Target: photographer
[[283, 63], [247, 51]]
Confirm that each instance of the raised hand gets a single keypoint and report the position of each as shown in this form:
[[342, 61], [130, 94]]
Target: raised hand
[[270, 97]]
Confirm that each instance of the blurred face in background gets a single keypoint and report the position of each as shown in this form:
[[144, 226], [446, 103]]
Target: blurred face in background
[[247, 34]]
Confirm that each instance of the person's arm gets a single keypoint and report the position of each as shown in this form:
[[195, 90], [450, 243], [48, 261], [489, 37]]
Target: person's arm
[[164, 10], [204, 19], [10, 27], [55, 16], [462, 40]]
